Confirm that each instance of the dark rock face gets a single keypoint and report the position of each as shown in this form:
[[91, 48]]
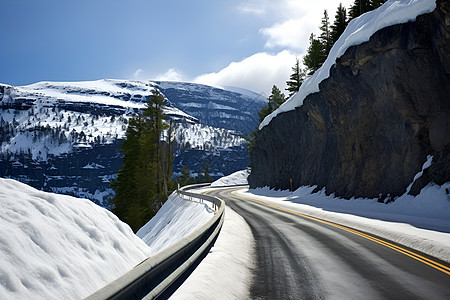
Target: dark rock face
[[82, 173], [384, 108]]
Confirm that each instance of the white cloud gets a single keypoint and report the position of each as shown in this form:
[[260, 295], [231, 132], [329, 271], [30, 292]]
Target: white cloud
[[257, 73], [297, 21], [138, 74], [171, 75], [288, 35], [293, 23], [254, 8]]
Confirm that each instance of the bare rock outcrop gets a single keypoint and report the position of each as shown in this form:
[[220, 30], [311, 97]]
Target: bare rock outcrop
[[382, 111]]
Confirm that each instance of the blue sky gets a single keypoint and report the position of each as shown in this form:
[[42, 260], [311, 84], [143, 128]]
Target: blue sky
[[251, 44]]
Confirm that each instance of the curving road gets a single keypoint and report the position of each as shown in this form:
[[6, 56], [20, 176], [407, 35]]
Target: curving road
[[300, 258]]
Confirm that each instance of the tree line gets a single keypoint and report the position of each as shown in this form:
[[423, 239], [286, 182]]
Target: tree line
[[320, 46]]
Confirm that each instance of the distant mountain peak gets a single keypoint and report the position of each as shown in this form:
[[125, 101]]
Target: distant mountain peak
[[55, 135]]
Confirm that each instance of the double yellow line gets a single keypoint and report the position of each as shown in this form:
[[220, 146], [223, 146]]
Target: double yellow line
[[404, 251]]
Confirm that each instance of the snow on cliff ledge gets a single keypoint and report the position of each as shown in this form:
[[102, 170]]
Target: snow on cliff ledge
[[357, 32], [60, 247], [237, 178]]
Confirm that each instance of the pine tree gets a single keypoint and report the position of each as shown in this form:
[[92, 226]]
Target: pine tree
[[128, 186], [360, 7], [340, 23], [185, 178], [155, 116], [275, 99], [143, 181], [377, 3], [264, 112], [205, 177], [296, 79], [325, 35], [314, 57], [167, 159]]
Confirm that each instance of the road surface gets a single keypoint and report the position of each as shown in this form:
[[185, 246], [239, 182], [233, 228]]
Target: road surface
[[300, 258]]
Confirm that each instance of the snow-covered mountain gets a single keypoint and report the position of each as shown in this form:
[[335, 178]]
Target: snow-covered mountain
[[65, 136], [216, 107]]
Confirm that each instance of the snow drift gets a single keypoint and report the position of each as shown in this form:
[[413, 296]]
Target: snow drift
[[60, 247], [175, 220], [237, 178]]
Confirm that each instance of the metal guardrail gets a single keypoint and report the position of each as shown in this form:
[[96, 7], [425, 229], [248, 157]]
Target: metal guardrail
[[156, 274]]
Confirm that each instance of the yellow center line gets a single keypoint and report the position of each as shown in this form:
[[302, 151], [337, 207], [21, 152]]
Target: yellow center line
[[411, 254]]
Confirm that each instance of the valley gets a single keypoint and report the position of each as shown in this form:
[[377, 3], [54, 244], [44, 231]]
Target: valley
[[65, 137]]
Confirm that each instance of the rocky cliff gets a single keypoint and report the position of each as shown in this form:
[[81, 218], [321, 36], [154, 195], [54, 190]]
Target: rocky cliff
[[384, 108]]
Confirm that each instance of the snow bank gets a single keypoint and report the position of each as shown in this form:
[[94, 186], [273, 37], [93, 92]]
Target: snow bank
[[421, 222], [60, 247], [237, 178], [358, 31], [230, 260], [175, 220]]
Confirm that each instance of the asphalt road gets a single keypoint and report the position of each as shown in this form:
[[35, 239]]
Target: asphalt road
[[300, 258]]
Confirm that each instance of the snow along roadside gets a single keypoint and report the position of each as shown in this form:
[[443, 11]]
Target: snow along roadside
[[176, 219], [237, 178], [60, 247], [421, 223], [225, 273]]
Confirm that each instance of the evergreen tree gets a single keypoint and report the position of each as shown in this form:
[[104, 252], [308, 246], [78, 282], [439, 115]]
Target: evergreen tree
[[167, 160], [142, 183], [264, 112], [155, 116], [204, 175], [315, 55], [340, 23], [275, 99], [295, 80], [377, 3], [325, 35], [185, 178], [360, 7], [128, 190]]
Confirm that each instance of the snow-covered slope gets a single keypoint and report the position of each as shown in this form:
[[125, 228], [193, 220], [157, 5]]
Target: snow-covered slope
[[65, 136], [358, 31], [175, 220], [237, 178], [59, 247], [231, 259]]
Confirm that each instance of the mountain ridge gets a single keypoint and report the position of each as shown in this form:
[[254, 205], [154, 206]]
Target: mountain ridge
[[48, 127]]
